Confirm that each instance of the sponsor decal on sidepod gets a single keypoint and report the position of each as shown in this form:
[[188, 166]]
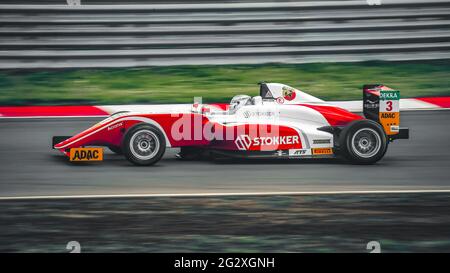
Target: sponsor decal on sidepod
[[322, 151], [245, 142], [299, 152]]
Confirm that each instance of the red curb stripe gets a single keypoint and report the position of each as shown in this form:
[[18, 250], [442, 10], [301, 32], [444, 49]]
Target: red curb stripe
[[442, 102], [51, 111]]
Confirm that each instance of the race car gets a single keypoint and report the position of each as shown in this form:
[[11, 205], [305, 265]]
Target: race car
[[282, 122]]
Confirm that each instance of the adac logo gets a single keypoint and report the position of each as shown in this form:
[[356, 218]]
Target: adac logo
[[86, 154], [388, 115]]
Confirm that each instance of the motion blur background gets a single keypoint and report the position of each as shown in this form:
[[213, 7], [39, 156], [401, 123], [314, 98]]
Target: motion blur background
[[230, 32], [171, 51], [99, 52]]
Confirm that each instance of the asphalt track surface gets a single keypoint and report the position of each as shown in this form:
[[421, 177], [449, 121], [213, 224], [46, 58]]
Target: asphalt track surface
[[29, 167]]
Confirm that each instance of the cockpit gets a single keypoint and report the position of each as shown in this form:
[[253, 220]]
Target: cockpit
[[239, 101], [269, 93]]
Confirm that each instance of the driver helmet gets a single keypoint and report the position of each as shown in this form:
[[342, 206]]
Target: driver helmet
[[238, 101]]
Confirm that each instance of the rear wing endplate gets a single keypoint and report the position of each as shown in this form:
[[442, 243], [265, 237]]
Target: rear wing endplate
[[382, 104]]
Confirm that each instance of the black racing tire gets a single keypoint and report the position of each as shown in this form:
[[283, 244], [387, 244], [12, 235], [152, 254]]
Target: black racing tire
[[363, 142], [116, 149], [144, 145]]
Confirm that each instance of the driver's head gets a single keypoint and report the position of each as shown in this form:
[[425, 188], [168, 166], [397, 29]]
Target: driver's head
[[238, 101]]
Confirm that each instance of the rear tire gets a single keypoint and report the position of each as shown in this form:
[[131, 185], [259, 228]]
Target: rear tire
[[144, 145], [363, 142]]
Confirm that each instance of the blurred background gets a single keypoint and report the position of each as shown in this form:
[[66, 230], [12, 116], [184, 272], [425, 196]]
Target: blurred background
[[117, 52]]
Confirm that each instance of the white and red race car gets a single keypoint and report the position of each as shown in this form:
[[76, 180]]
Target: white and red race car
[[281, 122]]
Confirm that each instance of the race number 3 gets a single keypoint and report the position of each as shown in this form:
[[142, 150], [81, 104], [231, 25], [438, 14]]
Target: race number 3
[[389, 106], [389, 114]]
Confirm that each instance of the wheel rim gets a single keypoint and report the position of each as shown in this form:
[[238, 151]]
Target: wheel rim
[[144, 144], [366, 142]]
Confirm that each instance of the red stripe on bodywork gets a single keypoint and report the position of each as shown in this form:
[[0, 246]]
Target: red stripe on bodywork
[[221, 106], [443, 102], [51, 111], [334, 115]]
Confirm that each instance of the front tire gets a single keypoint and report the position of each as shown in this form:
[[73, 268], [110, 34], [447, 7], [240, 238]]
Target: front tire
[[363, 142], [144, 145]]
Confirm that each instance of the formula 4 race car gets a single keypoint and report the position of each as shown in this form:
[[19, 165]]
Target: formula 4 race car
[[281, 122]]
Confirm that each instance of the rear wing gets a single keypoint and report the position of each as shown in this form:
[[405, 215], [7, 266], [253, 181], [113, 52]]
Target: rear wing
[[382, 104]]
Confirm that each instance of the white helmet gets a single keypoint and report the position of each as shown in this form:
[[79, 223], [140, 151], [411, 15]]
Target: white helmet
[[238, 101]]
